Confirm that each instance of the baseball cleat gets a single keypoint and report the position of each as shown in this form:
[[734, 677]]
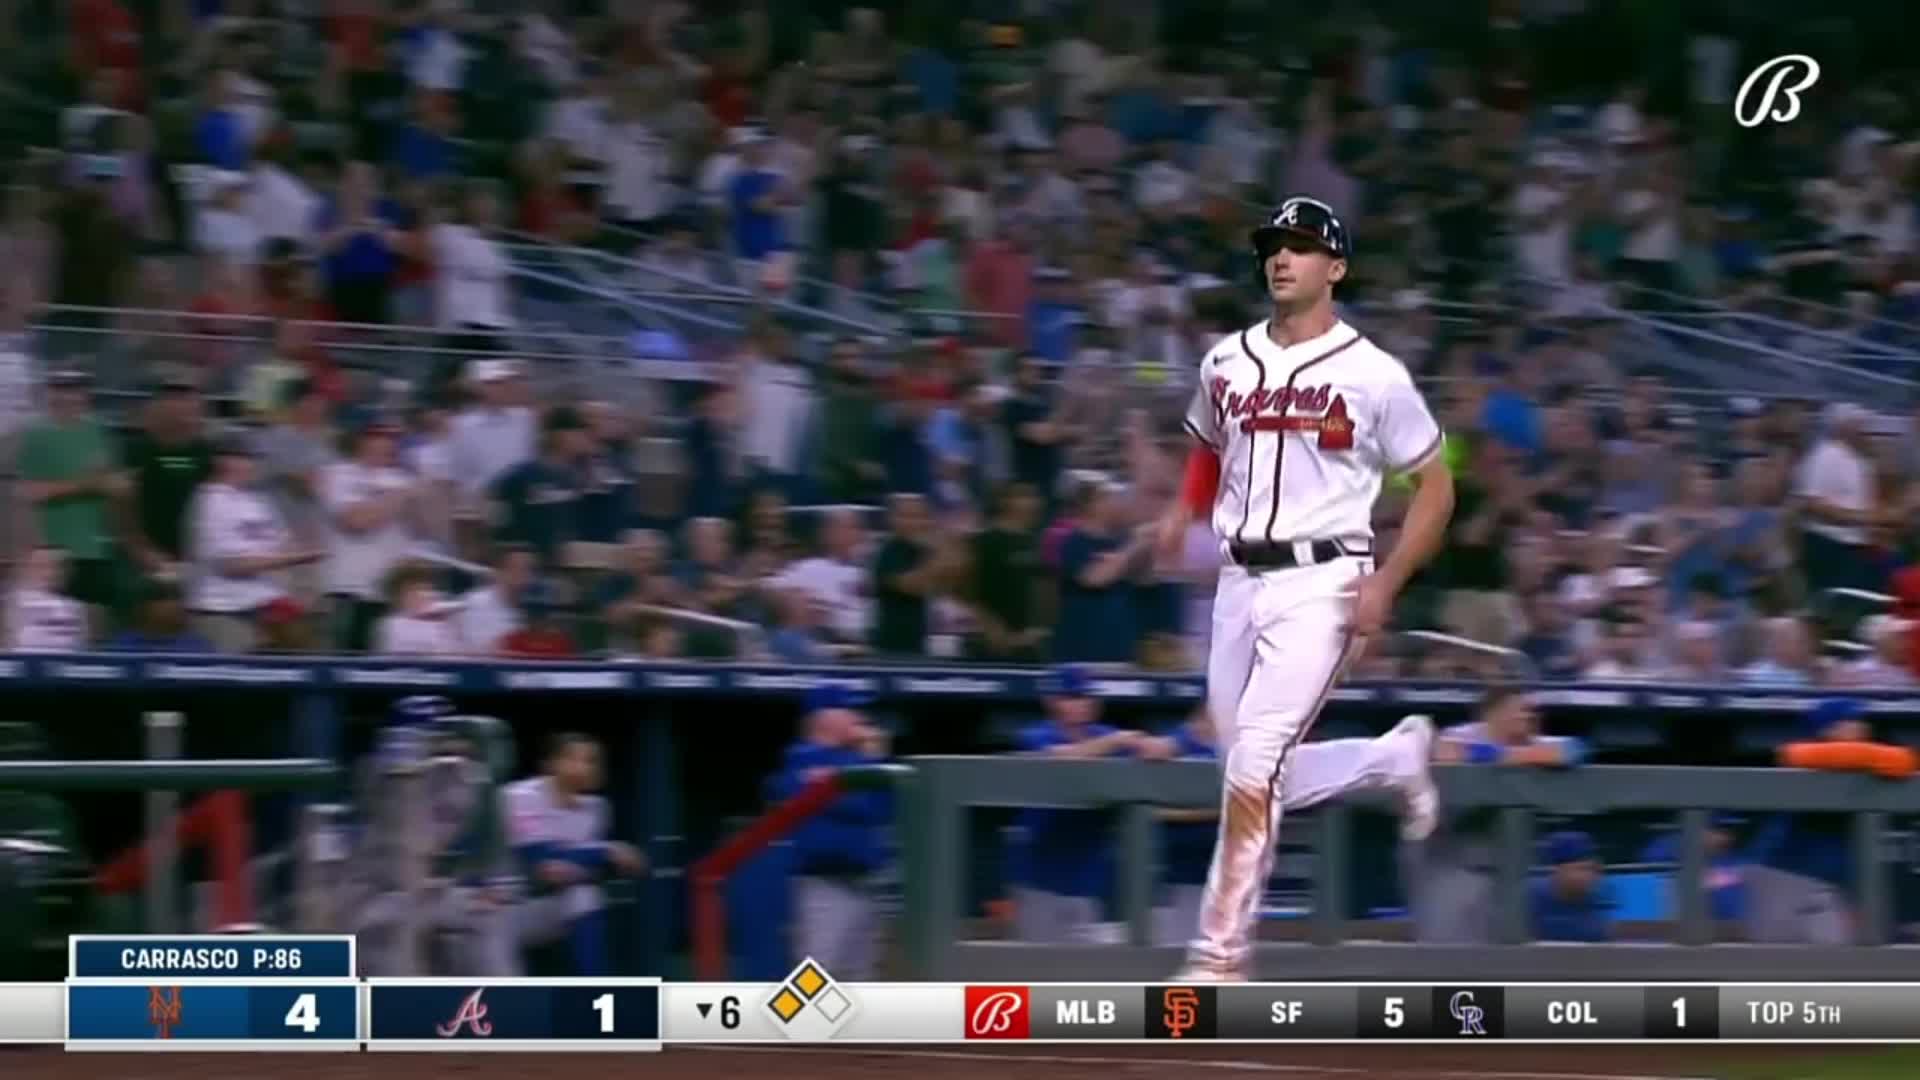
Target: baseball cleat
[[1419, 798]]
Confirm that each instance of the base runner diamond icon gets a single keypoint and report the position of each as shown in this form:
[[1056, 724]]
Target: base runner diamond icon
[[809, 1005]]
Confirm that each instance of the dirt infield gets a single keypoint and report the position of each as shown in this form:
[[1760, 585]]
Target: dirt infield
[[953, 1062]]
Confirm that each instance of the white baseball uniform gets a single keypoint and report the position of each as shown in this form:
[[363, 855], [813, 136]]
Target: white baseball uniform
[[1305, 435]]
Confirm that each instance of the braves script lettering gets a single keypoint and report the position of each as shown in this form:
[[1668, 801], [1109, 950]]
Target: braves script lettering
[[1304, 409], [472, 1015]]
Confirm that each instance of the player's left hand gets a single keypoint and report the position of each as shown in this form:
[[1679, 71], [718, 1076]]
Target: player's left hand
[[1373, 598]]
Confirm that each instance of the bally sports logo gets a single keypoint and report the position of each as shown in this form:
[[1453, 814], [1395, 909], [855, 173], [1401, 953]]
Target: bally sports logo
[[998, 1012]]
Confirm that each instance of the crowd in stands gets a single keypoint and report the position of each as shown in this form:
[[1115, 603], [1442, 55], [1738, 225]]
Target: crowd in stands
[[1079, 178]]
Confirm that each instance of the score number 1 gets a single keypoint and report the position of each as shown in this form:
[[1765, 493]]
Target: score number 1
[[1682, 1012], [605, 1012]]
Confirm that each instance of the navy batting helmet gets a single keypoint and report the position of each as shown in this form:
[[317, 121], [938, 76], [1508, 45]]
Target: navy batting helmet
[[1303, 217]]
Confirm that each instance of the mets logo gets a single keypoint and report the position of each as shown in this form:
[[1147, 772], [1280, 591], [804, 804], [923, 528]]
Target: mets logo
[[997, 1012], [163, 1010], [472, 1015], [1180, 1010], [1472, 1017]]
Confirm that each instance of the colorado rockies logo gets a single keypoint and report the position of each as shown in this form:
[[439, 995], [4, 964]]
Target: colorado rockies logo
[[1472, 1017]]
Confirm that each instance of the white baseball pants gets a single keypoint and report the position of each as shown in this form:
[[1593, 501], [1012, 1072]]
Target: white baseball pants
[[1279, 646]]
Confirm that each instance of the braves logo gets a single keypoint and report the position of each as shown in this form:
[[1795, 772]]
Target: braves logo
[[472, 1015], [997, 1012], [1336, 428]]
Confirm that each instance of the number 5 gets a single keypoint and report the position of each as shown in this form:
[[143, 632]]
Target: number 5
[[305, 1014], [1396, 1012]]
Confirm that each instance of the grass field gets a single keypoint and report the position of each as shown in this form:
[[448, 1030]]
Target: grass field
[[1893, 1063]]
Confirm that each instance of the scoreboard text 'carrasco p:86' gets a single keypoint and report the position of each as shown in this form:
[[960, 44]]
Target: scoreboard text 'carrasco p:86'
[[301, 993]]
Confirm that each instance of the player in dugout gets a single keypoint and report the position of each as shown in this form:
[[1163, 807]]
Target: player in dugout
[[838, 852], [558, 828], [1450, 880], [1063, 863], [1186, 838], [1802, 866], [1569, 903]]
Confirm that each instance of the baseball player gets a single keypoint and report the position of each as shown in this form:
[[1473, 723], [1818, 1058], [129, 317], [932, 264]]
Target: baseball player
[[558, 828], [838, 853], [1298, 420], [1063, 862]]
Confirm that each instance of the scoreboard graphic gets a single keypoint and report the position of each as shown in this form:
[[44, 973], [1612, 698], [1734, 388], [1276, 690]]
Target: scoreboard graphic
[[301, 993]]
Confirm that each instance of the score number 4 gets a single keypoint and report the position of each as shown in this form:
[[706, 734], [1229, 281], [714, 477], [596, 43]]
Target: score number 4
[[305, 1014]]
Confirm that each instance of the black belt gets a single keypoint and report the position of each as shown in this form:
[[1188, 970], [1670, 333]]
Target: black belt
[[1288, 556]]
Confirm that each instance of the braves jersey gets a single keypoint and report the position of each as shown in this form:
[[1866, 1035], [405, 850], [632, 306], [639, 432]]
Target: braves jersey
[[1306, 433]]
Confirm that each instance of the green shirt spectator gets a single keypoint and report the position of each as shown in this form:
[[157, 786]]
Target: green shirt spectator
[[72, 464]]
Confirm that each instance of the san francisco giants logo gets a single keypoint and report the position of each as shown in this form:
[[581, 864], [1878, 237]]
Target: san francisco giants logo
[[163, 1010], [1179, 1010], [472, 1015]]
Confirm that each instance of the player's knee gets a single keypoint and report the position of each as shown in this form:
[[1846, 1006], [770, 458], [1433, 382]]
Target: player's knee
[[1249, 771]]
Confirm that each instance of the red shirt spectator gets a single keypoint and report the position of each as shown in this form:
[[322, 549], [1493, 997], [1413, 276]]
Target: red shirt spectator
[[551, 211], [1906, 590], [537, 643], [923, 225], [225, 311], [550, 208], [106, 36], [354, 31], [726, 95], [917, 174], [999, 279]]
